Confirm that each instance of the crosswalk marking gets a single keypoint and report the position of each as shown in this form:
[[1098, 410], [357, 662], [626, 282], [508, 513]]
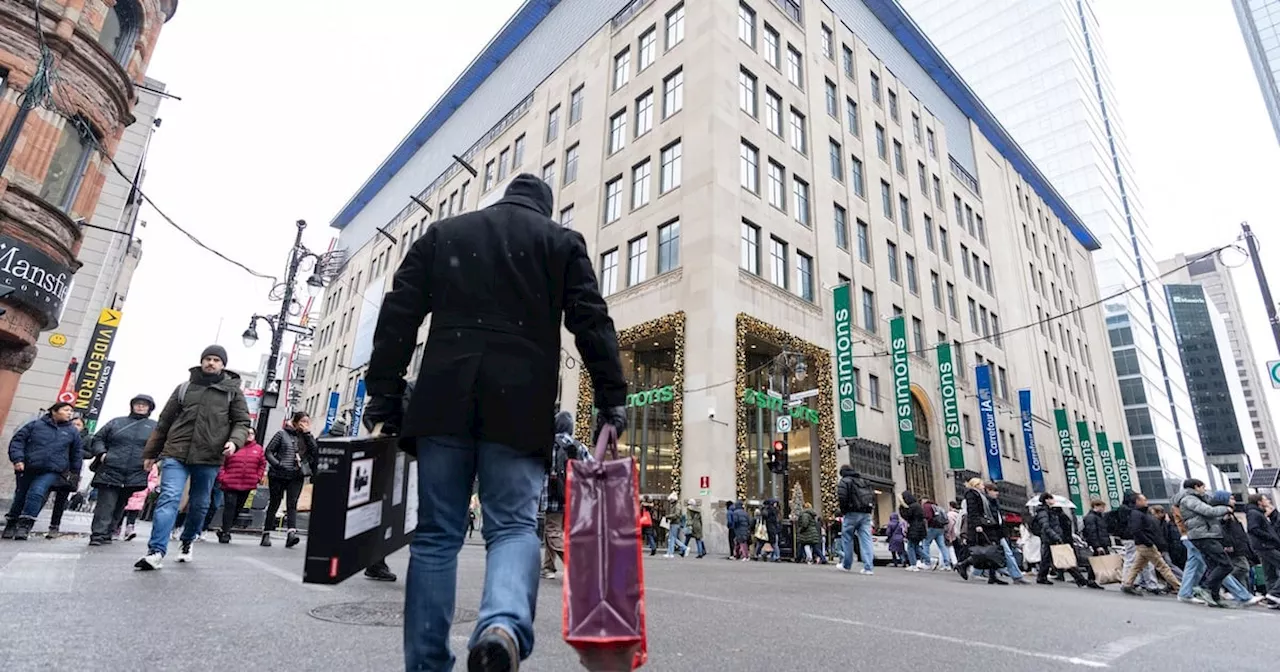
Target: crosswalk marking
[[39, 573]]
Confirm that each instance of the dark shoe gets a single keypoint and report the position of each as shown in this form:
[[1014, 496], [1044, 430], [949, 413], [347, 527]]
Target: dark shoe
[[1094, 585], [993, 580], [23, 530], [1044, 582], [962, 569], [266, 540], [224, 537], [292, 540], [1130, 590], [379, 572], [494, 651], [10, 527], [51, 533], [94, 541]]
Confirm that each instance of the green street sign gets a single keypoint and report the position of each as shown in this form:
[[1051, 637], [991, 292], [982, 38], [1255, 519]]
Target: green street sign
[[1069, 461], [1090, 460], [902, 385], [1108, 470], [1122, 467], [950, 408], [654, 396], [768, 402], [846, 383]]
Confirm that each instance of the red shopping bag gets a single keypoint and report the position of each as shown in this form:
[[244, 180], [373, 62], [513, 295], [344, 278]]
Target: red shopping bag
[[603, 613]]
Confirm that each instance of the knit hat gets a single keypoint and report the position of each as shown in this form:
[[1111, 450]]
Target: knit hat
[[217, 351]]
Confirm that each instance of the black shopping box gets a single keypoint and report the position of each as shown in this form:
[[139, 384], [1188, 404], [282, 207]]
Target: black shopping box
[[364, 506]]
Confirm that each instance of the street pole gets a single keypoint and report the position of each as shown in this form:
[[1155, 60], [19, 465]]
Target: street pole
[[277, 335], [1262, 283]]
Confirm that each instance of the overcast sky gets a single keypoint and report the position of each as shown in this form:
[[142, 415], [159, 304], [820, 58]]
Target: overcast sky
[[290, 122]]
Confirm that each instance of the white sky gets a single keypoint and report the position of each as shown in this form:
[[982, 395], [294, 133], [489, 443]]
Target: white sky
[[291, 125]]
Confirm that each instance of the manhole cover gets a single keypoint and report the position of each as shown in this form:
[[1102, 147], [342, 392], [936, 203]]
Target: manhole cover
[[387, 614]]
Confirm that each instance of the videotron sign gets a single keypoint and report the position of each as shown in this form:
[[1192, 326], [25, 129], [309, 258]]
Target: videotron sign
[[94, 369]]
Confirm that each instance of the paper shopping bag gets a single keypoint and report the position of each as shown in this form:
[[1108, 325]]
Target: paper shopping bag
[[1064, 556], [1106, 568], [603, 612]]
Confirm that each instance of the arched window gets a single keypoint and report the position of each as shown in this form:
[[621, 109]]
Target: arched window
[[66, 170], [120, 30]]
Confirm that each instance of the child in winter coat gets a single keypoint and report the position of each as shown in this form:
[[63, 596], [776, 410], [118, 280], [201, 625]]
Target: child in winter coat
[[240, 474], [137, 500]]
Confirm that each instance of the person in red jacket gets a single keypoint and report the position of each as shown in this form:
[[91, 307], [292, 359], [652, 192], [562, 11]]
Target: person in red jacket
[[240, 475]]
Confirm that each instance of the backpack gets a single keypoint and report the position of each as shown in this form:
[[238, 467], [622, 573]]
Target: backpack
[[938, 518], [1036, 526], [1117, 521], [857, 496], [556, 475]]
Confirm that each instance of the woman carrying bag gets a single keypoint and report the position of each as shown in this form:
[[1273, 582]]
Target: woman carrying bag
[[291, 455]]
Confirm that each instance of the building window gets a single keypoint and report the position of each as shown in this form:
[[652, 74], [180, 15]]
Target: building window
[[882, 148], [750, 261], [622, 69], [644, 113], [571, 164], [609, 272], [928, 233], [70, 159], [855, 176], [875, 89], [617, 131], [893, 105], [833, 100], [778, 262], [904, 209], [566, 216], [749, 160], [842, 227], [894, 275], [935, 289], [851, 115], [673, 93], [798, 135], [944, 242], [773, 112], [898, 163], [924, 179], [669, 246], [637, 261], [613, 200], [804, 275], [951, 300], [777, 185], [747, 25], [937, 191], [675, 26], [836, 158], [913, 280], [873, 387], [795, 67], [886, 200], [772, 47], [864, 242], [575, 106], [916, 128], [828, 42], [964, 260], [504, 163], [553, 124], [517, 153], [672, 172], [747, 100], [800, 190], [640, 176], [120, 30], [847, 60], [548, 176], [973, 317], [933, 143], [648, 48], [917, 335], [869, 318]]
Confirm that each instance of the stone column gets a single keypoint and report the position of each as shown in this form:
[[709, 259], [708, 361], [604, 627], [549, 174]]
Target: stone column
[[15, 359]]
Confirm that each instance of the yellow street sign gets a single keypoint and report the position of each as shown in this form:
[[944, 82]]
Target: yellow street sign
[[109, 318]]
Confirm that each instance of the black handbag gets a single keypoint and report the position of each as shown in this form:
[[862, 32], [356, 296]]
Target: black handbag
[[67, 482]]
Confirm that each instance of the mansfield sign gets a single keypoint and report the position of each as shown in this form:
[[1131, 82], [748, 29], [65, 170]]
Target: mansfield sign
[[39, 282]]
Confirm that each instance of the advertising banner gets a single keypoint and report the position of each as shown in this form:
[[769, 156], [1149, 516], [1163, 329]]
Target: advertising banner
[[99, 396], [1122, 467], [846, 384], [950, 408], [357, 410], [904, 416], [1029, 438], [95, 359], [1108, 470], [38, 282], [1090, 460], [1069, 461], [331, 413], [987, 417]]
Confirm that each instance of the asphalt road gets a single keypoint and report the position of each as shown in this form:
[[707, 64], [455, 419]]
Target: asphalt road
[[66, 606]]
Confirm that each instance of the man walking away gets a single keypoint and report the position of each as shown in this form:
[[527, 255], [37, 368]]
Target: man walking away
[[497, 283], [1146, 532], [857, 500], [1264, 534], [938, 522], [1094, 530], [1204, 531], [204, 420], [563, 449], [117, 447], [1235, 541], [41, 451]]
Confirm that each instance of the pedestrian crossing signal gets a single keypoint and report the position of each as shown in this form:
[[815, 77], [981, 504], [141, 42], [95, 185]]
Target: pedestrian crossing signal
[[778, 457]]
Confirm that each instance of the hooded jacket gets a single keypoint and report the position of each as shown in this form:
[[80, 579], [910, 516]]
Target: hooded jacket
[[694, 516], [850, 483], [120, 443], [47, 447], [194, 428], [807, 529], [917, 526], [1202, 520], [1144, 529], [497, 284], [1094, 531], [1264, 530]]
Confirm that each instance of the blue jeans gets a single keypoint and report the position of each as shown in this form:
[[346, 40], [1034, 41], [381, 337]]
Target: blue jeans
[[938, 536], [1193, 571], [30, 493], [917, 552], [1010, 564], [673, 539], [173, 478], [510, 484], [859, 524]]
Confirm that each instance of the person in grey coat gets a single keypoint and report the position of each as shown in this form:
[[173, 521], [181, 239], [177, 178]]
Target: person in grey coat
[[117, 451], [1204, 531]]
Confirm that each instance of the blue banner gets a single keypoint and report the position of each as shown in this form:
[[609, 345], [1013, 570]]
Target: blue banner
[[332, 413], [987, 418], [357, 411], [1029, 438]]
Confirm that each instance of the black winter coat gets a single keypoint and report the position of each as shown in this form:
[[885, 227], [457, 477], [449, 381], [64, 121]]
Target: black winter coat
[[1047, 526], [1144, 529], [497, 283], [120, 442], [286, 449], [917, 525], [46, 447], [1264, 530], [976, 516], [1235, 538], [1094, 531]]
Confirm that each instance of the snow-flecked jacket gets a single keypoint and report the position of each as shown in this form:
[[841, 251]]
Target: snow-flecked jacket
[[243, 470]]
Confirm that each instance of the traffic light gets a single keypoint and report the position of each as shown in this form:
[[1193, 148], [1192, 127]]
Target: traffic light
[[778, 457]]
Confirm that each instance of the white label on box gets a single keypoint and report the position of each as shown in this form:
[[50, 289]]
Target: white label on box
[[397, 488], [411, 502], [363, 519], [361, 482]]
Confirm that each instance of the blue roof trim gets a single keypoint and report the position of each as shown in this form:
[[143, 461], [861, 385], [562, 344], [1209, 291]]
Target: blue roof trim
[[913, 39], [518, 27]]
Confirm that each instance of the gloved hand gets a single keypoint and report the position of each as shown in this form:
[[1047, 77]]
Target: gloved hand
[[616, 417], [385, 410]]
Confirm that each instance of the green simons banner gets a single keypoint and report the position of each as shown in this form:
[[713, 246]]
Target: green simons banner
[[1069, 461], [950, 408], [1090, 461], [1122, 467], [1108, 470], [846, 383], [902, 386]]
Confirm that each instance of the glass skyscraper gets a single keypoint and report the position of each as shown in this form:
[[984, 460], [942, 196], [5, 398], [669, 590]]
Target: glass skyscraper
[[1260, 23], [1041, 67]]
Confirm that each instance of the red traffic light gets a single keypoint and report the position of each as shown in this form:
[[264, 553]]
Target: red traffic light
[[779, 446]]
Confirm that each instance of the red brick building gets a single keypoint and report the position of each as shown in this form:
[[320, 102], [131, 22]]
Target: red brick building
[[53, 172]]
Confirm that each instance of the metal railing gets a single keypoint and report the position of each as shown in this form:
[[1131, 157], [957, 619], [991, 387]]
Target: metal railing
[[969, 181], [627, 13], [791, 8]]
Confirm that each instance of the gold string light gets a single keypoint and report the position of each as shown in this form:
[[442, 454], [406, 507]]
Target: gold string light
[[819, 362], [667, 325]]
